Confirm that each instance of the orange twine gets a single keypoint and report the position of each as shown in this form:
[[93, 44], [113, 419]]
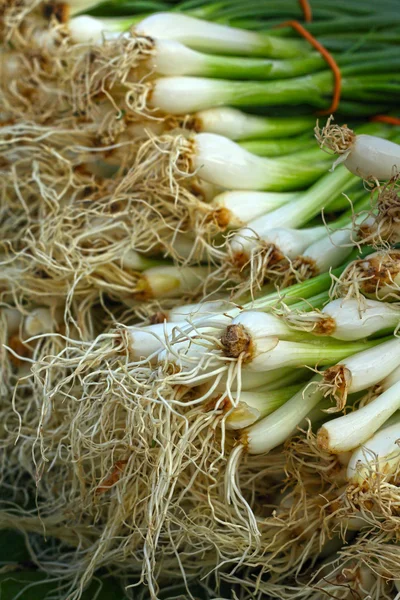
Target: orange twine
[[327, 57], [386, 119], [306, 8]]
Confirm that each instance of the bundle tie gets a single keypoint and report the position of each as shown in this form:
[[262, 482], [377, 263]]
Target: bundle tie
[[386, 119], [306, 8], [327, 56]]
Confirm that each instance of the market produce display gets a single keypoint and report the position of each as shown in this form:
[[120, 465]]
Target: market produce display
[[200, 299]]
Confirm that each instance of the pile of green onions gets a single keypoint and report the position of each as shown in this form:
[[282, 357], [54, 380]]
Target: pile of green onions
[[200, 362]]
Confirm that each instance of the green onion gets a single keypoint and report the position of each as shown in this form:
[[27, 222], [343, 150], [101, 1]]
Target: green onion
[[266, 349], [293, 215], [221, 161], [211, 37], [254, 405], [273, 430], [178, 95], [377, 276], [350, 431], [379, 455], [169, 281], [347, 319], [361, 371], [367, 156], [234, 209]]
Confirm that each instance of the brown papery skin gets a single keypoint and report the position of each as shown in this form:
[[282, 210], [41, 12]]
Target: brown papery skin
[[187, 122]]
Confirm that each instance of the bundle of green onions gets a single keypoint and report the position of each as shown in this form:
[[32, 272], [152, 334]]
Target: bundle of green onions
[[114, 87], [221, 383], [200, 363]]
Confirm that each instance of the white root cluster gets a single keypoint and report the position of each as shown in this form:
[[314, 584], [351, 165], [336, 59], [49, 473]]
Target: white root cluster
[[159, 435]]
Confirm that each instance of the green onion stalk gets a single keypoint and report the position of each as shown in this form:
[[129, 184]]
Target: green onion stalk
[[229, 10]]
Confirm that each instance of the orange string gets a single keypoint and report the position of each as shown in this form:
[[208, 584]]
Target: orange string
[[306, 8], [328, 58], [386, 119]]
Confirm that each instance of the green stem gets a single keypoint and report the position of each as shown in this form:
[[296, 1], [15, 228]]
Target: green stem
[[277, 147], [278, 127], [257, 68], [328, 352], [291, 295], [311, 90], [366, 23], [317, 301], [313, 200]]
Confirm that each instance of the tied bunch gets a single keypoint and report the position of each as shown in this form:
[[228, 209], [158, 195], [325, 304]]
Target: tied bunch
[[199, 313], [129, 129]]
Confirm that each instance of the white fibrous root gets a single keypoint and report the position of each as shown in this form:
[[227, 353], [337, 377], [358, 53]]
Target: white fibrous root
[[165, 431], [377, 276], [382, 227]]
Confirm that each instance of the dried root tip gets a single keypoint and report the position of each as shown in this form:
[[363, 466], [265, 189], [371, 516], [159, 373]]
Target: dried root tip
[[236, 342], [370, 275], [221, 218], [265, 258], [298, 270], [314, 322], [142, 291], [244, 441], [273, 255], [158, 317], [366, 232], [240, 260], [389, 201], [216, 403], [57, 10], [336, 384], [382, 232], [385, 226], [335, 138], [325, 326], [186, 122]]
